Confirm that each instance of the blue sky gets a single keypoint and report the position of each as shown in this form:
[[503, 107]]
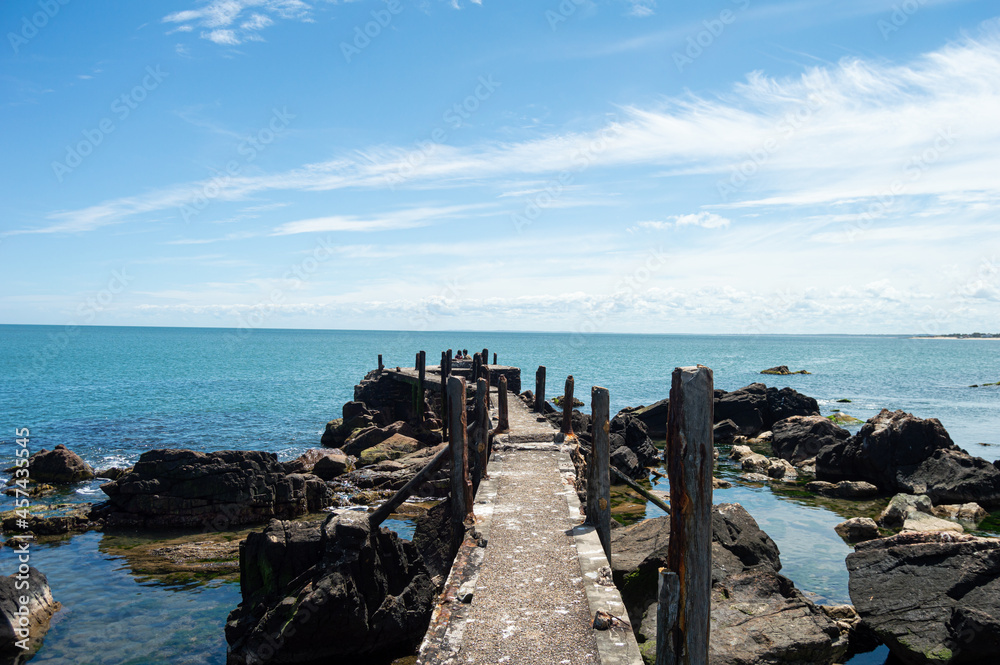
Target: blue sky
[[736, 166]]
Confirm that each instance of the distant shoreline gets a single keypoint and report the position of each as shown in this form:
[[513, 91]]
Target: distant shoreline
[[963, 337]]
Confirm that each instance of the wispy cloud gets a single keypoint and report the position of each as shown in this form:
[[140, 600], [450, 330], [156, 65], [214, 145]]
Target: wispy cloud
[[401, 219], [232, 22], [836, 135], [706, 220]]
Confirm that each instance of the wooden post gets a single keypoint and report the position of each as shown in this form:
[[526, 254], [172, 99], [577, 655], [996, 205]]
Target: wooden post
[[489, 400], [689, 554], [667, 592], [567, 404], [598, 469], [503, 418], [380, 365], [540, 389], [477, 366], [494, 358], [445, 371], [482, 426], [461, 488], [486, 356], [421, 379]]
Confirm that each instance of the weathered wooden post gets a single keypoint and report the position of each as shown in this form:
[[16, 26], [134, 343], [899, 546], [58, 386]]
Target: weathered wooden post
[[540, 389], [461, 488], [689, 554], [483, 427], [421, 381], [494, 358], [598, 469], [489, 399], [445, 371], [380, 365], [486, 356], [503, 417], [567, 405], [477, 366]]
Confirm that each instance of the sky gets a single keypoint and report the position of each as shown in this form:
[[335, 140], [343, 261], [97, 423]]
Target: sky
[[729, 166]]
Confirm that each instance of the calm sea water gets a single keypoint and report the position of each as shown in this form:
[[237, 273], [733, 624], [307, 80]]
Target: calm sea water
[[110, 394]]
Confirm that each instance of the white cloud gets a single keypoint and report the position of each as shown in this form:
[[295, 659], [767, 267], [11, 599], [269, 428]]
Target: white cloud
[[706, 220], [641, 8], [223, 23], [401, 219]]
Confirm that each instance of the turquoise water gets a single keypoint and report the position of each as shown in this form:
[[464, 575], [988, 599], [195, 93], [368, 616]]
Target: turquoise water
[[111, 393]]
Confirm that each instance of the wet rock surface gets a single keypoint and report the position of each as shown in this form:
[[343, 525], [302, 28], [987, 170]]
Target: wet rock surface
[[59, 466], [23, 625], [756, 408], [799, 438], [931, 597]]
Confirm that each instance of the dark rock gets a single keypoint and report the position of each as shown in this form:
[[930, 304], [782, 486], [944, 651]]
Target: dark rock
[[219, 490], [59, 466], [23, 625], [337, 593], [640, 550], [782, 370], [626, 461], [654, 417], [635, 436], [857, 529], [393, 474], [332, 465], [74, 520], [930, 597], [114, 473], [845, 489], [898, 452], [755, 408], [725, 431], [800, 437], [390, 398], [760, 618], [306, 462]]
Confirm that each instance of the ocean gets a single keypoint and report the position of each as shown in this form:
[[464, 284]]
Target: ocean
[[111, 393]]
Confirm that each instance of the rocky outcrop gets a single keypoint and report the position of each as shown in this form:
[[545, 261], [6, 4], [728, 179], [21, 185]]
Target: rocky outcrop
[[394, 447], [356, 417], [968, 514], [758, 616], [845, 489], [322, 462], [26, 607], [654, 417], [393, 474], [782, 370], [857, 529], [339, 592], [219, 490], [381, 393], [799, 438], [635, 436], [59, 466], [931, 597], [369, 437], [755, 408], [898, 452]]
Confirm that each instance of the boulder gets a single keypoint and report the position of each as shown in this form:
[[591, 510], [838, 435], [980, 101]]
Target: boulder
[[219, 490], [901, 507], [369, 437], [758, 617], [780, 469], [755, 408], [654, 417], [332, 465], [306, 462], [394, 447], [26, 608], [930, 597], [857, 529], [737, 453], [634, 434], [782, 370], [755, 463], [923, 522], [640, 550], [340, 592], [800, 437], [59, 466], [898, 452], [393, 474], [845, 489], [725, 432], [969, 514], [626, 461]]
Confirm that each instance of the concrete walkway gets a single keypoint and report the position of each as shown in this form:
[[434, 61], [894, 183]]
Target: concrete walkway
[[529, 596]]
